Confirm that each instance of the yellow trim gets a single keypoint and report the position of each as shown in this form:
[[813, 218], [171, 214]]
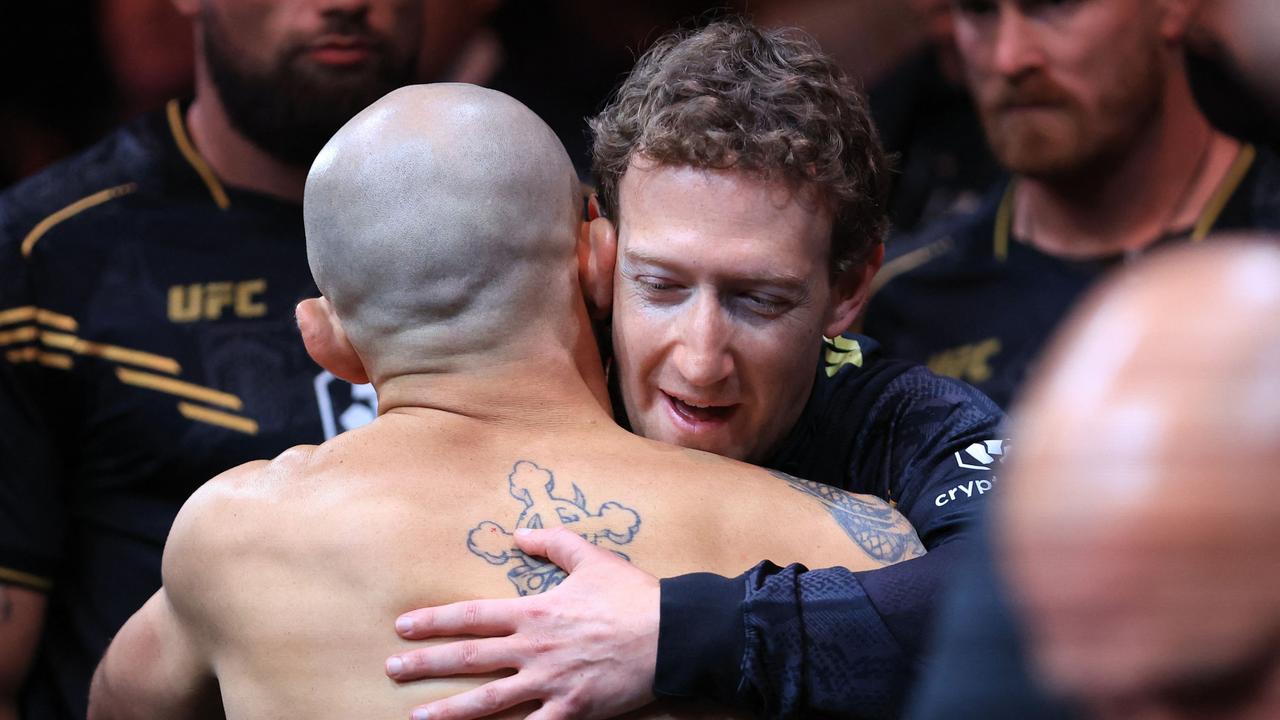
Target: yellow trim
[[26, 313], [20, 355], [31, 312], [908, 262], [1004, 224], [221, 419], [113, 353], [32, 581], [54, 320], [29, 354], [20, 335], [174, 112], [179, 387], [74, 208], [1230, 183], [54, 360]]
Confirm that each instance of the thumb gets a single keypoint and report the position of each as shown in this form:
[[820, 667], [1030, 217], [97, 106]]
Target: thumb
[[559, 545]]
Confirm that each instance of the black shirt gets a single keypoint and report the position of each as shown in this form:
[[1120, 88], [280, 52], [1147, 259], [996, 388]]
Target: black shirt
[[147, 343], [970, 301]]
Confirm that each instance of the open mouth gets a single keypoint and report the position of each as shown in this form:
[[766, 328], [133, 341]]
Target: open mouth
[[697, 413]]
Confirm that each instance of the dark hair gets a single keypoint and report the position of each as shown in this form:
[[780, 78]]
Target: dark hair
[[768, 102]]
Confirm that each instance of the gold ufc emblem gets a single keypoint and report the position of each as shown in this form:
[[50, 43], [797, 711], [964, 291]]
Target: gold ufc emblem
[[208, 301], [971, 362]]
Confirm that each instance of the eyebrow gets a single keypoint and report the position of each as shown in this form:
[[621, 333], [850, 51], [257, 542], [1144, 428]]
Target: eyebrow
[[776, 279]]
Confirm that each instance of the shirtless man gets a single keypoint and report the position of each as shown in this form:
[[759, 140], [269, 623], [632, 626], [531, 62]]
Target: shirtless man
[[441, 226]]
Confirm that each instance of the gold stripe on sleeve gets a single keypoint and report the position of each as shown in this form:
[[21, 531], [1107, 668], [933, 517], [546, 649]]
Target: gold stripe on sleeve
[[171, 386], [54, 360], [54, 320], [73, 209], [23, 334], [113, 353], [21, 355], [17, 577], [27, 313], [219, 418], [174, 111]]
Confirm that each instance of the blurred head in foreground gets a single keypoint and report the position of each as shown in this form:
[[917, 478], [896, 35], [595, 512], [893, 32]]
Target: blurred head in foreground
[[1140, 530]]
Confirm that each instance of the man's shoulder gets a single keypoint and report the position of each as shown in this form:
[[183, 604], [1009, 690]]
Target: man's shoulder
[[941, 248], [867, 410], [233, 504], [882, 386], [137, 160], [124, 156]]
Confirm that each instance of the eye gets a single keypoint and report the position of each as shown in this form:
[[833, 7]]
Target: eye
[[763, 304], [655, 284]]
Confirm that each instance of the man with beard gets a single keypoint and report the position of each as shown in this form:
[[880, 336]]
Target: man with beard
[[147, 339], [1088, 105]]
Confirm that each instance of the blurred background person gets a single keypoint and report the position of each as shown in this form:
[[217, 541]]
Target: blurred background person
[[1132, 572], [1089, 106], [147, 338]]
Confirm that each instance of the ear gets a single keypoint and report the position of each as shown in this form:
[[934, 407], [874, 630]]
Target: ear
[[1177, 18], [850, 292], [597, 256], [327, 342]]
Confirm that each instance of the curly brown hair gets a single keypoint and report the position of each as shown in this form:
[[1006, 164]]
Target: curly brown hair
[[769, 102]]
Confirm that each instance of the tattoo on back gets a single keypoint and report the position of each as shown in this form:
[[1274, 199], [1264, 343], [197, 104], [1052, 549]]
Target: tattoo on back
[[877, 528], [535, 487]]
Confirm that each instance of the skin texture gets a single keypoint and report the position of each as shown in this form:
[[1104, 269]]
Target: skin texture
[[1089, 104], [281, 578], [1140, 525], [721, 295]]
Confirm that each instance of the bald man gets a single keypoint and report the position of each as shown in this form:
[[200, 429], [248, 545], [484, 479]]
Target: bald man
[[441, 227], [1135, 569], [1148, 569]]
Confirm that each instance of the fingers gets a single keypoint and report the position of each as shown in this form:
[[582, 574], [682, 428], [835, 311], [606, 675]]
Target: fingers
[[472, 617], [561, 546], [464, 657], [485, 700]]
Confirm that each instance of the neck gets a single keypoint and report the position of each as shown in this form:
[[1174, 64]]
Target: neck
[[1161, 184], [234, 159], [527, 392]]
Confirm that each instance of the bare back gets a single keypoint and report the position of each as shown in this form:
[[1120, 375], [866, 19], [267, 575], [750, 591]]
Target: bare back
[[293, 570]]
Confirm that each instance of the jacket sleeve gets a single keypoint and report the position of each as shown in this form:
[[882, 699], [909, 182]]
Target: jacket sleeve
[[791, 642]]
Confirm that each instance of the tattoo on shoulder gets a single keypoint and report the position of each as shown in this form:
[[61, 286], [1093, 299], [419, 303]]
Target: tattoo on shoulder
[[546, 504], [875, 527]]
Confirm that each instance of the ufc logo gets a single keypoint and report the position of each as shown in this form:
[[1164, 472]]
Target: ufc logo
[[208, 301]]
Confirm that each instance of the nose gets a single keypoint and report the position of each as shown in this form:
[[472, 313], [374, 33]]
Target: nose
[[1017, 43], [703, 353]]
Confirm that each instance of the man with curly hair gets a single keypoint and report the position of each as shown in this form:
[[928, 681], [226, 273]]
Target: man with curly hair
[[742, 189]]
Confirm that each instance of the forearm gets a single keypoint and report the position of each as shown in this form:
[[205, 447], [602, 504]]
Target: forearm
[[789, 642]]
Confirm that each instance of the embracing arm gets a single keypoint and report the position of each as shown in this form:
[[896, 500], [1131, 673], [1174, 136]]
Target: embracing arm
[[154, 668], [794, 642]]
